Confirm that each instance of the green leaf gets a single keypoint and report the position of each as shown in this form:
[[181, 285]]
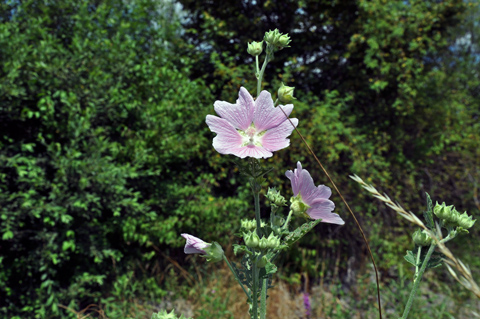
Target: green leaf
[[300, 232], [428, 214], [411, 258]]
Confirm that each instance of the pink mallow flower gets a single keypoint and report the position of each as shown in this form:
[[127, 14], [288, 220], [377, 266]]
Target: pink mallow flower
[[250, 128], [310, 201]]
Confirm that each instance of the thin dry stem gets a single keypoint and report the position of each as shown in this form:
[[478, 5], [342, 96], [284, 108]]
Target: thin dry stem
[[465, 278]]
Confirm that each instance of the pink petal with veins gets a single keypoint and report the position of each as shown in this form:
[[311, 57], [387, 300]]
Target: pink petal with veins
[[240, 115], [267, 116], [227, 138], [276, 138]]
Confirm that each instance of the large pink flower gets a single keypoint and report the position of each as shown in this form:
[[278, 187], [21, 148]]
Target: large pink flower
[[309, 200], [195, 245], [253, 128]]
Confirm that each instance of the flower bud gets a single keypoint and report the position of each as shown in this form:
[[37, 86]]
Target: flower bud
[[214, 253], [251, 239], [278, 221], [421, 238], [453, 218], [271, 37], [255, 48], [283, 41], [275, 197], [250, 224], [442, 211], [263, 244], [262, 262], [285, 94], [466, 221], [272, 241]]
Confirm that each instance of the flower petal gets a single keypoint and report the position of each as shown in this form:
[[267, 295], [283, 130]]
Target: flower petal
[[240, 115], [194, 245], [316, 193], [276, 138], [324, 212], [294, 178], [227, 139], [267, 116], [252, 151]]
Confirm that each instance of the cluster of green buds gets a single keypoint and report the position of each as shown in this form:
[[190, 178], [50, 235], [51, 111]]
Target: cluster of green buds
[[285, 94], [421, 238], [452, 218], [253, 241], [275, 197], [277, 39], [250, 224]]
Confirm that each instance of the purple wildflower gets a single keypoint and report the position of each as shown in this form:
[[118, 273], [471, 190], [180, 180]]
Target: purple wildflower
[[250, 128], [311, 201], [195, 245], [306, 304]]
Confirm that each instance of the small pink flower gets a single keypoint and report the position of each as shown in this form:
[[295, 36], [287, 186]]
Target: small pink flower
[[195, 245], [250, 128], [311, 201]]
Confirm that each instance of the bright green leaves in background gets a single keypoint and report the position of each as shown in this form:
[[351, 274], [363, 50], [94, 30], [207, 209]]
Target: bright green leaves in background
[[102, 150]]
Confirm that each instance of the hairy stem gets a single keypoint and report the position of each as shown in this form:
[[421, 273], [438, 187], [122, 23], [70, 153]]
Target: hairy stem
[[416, 284]]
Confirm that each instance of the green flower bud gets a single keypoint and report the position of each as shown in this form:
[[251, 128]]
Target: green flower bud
[[453, 218], [283, 41], [278, 221], [255, 48], [272, 241], [285, 94], [263, 244], [272, 37], [466, 221], [214, 252], [251, 239], [275, 197], [442, 211], [262, 262], [250, 224], [421, 238]]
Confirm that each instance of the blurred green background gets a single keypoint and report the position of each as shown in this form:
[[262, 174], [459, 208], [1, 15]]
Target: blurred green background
[[105, 157]]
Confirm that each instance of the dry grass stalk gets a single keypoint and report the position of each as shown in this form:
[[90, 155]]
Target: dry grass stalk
[[465, 278]]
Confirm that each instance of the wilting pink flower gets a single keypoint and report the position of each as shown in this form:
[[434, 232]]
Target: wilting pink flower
[[253, 128], [195, 245], [311, 201]]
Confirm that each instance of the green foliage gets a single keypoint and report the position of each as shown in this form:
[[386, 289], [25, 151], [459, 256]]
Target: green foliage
[[104, 154]]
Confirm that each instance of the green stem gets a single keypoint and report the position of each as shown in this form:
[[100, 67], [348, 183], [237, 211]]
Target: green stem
[[416, 284], [260, 75], [256, 199], [254, 290], [236, 277], [263, 300], [285, 226], [419, 253]]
